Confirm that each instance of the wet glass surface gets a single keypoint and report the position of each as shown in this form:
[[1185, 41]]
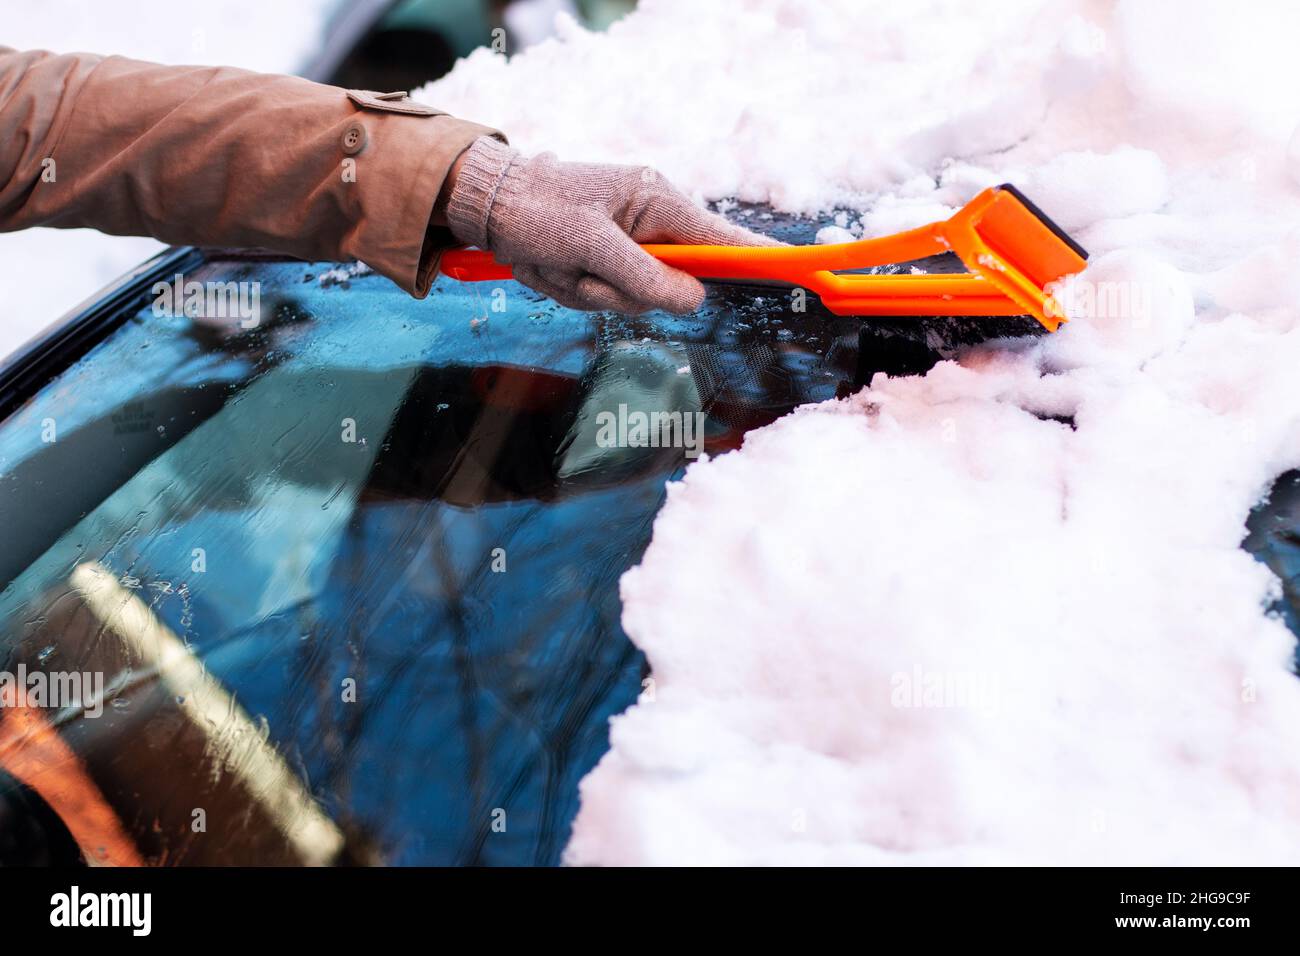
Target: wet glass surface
[[1273, 537], [351, 577]]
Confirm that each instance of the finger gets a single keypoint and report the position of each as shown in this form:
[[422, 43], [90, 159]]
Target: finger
[[533, 277], [568, 290], [643, 278], [595, 289], [671, 217]]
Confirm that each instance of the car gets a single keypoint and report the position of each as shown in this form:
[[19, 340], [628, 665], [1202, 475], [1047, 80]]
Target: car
[[337, 577], [309, 572]]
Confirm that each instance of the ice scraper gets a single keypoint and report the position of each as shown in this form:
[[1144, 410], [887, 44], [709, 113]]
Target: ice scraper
[[1013, 250]]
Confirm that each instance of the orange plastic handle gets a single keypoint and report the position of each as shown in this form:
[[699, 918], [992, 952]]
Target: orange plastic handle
[[1013, 256], [779, 263], [32, 751]]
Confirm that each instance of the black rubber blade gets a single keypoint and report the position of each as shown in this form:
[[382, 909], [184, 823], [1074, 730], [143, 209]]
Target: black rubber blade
[[1046, 220]]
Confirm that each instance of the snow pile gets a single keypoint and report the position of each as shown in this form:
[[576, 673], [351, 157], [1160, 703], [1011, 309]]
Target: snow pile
[[784, 102], [998, 613]]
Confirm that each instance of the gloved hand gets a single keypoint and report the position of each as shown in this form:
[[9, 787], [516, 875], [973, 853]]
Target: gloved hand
[[570, 230]]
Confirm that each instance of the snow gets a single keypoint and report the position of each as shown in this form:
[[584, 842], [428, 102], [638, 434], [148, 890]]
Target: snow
[[46, 272], [936, 622]]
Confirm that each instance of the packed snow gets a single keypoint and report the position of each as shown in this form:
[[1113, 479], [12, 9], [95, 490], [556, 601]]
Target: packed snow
[[936, 622]]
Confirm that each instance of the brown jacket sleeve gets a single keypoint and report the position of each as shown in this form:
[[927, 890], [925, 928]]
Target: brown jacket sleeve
[[224, 157]]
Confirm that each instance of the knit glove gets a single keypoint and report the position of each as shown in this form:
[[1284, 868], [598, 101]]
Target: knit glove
[[570, 230]]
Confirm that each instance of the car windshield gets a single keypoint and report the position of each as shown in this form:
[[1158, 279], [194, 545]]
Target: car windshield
[[350, 577]]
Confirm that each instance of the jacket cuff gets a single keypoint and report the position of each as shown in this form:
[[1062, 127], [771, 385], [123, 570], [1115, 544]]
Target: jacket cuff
[[486, 164], [395, 237]]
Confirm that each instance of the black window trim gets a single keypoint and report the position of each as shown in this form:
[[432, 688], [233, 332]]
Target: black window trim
[[33, 365]]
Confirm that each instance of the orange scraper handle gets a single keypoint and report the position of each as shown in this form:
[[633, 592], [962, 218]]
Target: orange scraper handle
[[1013, 250], [34, 753]]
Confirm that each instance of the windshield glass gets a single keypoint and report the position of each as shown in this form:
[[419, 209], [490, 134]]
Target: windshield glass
[[344, 586]]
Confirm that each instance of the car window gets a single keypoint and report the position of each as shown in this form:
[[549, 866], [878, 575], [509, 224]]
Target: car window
[[341, 584], [350, 577]]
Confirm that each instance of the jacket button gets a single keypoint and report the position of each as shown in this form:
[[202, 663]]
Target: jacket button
[[354, 139]]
